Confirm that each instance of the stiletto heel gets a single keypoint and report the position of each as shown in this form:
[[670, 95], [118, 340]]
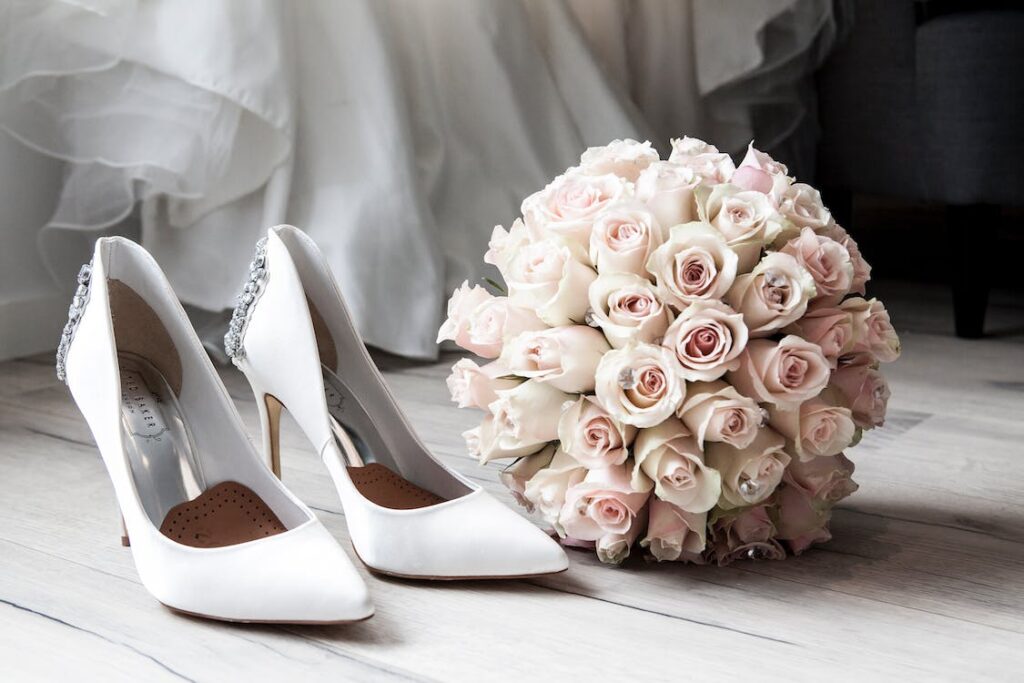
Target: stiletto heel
[[213, 533], [408, 514], [272, 433]]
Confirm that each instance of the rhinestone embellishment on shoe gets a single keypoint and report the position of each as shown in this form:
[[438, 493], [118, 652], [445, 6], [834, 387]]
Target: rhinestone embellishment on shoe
[[78, 302], [246, 302]]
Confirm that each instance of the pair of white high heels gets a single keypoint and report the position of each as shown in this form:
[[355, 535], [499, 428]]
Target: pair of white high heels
[[213, 531]]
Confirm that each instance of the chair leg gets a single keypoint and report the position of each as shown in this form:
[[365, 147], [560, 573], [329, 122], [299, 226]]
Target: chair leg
[[970, 267]]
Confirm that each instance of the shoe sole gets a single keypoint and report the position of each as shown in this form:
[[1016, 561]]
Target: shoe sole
[[285, 622], [432, 577]]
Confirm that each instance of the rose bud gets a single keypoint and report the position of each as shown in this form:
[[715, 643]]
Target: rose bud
[[749, 475], [669, 456], [715, 411], [674, 534], [564, 357]]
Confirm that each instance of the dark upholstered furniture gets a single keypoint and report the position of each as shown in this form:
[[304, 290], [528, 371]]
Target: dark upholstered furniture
[[925, 101]]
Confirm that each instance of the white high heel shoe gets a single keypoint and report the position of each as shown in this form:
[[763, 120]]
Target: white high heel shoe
[[408, 514], [213, 533]]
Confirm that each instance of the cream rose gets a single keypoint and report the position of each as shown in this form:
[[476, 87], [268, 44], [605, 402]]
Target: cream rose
[[624, 158], [826, 260], [603, 503], [623, 238], [827, 479], [564, 357], [747, 220], [864, 390], [713, 167], [773, 295], [669, 456], [861, 268], [490, 441], [613, 548], [668, 191], [817, 427], [638, 385], [545, 277], [496, 320], [589, 434], [472, 386], [674, 534], [747, 534], [873, 331], [461, 305], [565, 210], [693, 264], [546, 489], [829, 327], [627, 309], [525, 416], [707, 339], [715, 411], [801, 204], [801, 523], [749, 475], [515, 476], [784, 373], [504, 244], [775, 181]]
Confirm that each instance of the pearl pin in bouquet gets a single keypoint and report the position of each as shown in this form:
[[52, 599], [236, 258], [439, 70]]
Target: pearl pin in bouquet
[[683, 355]]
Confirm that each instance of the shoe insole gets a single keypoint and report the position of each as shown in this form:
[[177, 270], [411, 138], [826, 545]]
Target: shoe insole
[[366, 452], [226, 514]]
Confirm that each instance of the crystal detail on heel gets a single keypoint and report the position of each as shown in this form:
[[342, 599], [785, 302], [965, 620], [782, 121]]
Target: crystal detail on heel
[[78, 302], [246, 302]]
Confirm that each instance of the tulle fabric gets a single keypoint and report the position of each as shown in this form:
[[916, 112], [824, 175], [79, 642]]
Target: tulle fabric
[[396, 133]]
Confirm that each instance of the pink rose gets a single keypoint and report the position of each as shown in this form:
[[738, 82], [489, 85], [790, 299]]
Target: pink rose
[[492, 441], [817, 427], [545, 277], [748, 534], [638, 385], [749, 475], [758, 171], [613, 548], [667, 190], [773, 295], [525, 417], [669, 456], [827, 479], [747, 220], [861, 269], [826, 260], [873, 331], [784, 373], [715, 411], [693, 264], [589, 434], [515, 476], [802, 205], [565, 210], [674, 534], [627, 309], [829, 327], [755, 158], [707, 339], [800, 522], [603, 503], [472, 386], [564, 357], [624, 158], [623, 238], [753, 179], [546, 489], [461, 305], [864, 390], [710, 165], [495, 321]]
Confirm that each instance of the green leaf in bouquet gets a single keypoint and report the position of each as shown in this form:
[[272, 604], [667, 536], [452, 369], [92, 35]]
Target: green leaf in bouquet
[[496, 287]]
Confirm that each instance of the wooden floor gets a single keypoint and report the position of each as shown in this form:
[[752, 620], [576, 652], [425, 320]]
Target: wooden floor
[[924, 580]]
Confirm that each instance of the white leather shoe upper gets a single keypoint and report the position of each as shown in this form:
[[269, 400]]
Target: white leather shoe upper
[[470, 534], [298, 575]]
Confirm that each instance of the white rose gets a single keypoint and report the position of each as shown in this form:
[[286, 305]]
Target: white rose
[[546, 489], [638, 384], [746, 218], [707, 339], [626, 307], [667, 190], [525, 416], [773, 295], [461, 305], [545, 277], [623, 238], [472, 386], [670, 457], [693, 264], [817, 427], [674, 534], [564, 357], [515, 476], [589, 434], [490, 441], [751, 474], [715, 411], [505, 244], [802, 205], [712, 166], [624, 158], [565, 210], [495, 321]]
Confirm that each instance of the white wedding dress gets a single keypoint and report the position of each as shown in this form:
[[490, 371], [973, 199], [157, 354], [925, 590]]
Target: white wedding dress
[[397, 134]]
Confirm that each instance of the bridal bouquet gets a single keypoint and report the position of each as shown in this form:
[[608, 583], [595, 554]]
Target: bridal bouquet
[[681, 358]]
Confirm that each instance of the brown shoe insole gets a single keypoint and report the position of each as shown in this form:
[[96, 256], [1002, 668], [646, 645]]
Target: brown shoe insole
[[226, 514], [388, 489]]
